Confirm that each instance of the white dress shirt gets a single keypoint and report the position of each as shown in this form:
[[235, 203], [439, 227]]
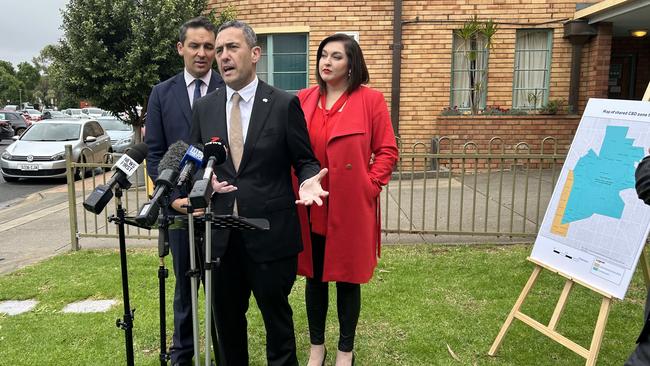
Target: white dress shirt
[[189, 83], [247, 95]]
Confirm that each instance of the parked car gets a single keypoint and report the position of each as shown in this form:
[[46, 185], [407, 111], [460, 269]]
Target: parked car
[[40, 151], [6, 132], [18, 122], [10, 107], [74, 113], [92, 112], [121, 134], [32, 114]]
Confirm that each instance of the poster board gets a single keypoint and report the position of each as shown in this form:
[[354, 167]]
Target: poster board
[[595, 226]]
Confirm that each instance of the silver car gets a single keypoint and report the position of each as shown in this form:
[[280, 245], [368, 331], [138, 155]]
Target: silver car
[[121, 134], [40, 151]]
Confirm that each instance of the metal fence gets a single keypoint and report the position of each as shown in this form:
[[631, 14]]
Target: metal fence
[[490, 191]]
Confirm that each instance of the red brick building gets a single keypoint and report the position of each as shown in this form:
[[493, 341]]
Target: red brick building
[[542, 51]]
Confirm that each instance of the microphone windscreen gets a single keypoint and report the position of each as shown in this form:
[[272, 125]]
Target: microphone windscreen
[[138, 152], [215, 148], [173, 156]]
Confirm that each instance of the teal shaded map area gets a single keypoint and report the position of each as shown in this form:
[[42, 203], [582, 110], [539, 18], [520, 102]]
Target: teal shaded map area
[[598, 179]]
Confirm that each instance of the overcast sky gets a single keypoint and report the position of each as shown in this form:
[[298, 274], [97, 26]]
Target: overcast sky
[[27, 26]]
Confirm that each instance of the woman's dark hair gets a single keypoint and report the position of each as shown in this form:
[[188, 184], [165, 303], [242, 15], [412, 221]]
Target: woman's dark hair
[[356, 63]]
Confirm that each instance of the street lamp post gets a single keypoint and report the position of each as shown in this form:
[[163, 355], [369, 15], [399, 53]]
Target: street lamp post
[[20, 97]]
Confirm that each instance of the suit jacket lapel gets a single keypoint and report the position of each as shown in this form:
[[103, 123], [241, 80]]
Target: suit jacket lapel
[[259, 115], [183, 100], [213, 82]]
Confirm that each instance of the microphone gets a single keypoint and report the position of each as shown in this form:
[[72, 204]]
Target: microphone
[[192, 159], [124, 168], [214, 154], [168, 170]]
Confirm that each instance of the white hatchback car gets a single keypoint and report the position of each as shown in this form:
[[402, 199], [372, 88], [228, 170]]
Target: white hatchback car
[[40, 151]]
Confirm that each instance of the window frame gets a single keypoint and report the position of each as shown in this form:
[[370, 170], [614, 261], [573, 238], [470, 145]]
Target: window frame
[[483, 95], [269, 53], [547, 78]]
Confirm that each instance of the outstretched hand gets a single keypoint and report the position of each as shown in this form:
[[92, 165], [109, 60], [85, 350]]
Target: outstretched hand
[[221, 187], [311, 191]]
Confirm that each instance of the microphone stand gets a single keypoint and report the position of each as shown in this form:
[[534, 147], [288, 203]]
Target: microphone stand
[[163, 273], [208, 287], [194, 273], [125, 324]]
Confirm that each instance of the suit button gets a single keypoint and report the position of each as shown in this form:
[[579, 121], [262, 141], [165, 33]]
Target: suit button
[[231, 204], [348, 166]]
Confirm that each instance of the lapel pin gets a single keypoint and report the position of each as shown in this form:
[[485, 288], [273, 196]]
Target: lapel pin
[[265, 100]]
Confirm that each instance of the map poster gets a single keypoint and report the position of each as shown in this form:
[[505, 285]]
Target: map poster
[[595, 226]]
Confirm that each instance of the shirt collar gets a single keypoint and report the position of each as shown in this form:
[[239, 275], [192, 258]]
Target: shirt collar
[[189, 79], [246, 93]]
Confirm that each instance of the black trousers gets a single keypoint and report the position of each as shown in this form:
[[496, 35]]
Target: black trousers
[[641, 354], [270, 282], [348, 302]]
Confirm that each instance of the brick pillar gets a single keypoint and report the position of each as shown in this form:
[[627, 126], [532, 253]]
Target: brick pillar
[[600, 55]]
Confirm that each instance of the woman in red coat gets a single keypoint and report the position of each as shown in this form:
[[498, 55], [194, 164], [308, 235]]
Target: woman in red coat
[[351, 134]]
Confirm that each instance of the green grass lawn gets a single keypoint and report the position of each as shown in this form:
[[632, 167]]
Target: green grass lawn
[[422, 300]]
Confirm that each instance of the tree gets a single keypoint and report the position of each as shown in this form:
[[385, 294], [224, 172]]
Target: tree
[[29, 77], [113, 52], [10, 86]]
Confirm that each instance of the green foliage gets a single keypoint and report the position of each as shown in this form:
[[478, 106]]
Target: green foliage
[[554, 106], [422, 300], [113, 52]]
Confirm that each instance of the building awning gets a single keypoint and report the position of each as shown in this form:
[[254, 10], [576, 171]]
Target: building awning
[[625, 15]]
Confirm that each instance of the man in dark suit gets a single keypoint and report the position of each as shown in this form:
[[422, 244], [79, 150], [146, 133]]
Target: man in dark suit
[[267, 137], [168, 120], [641, 354]]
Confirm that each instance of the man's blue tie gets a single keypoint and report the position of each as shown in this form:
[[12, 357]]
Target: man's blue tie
[[197, 90]]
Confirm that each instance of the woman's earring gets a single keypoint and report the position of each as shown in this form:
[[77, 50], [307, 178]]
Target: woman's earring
[[349, 73]]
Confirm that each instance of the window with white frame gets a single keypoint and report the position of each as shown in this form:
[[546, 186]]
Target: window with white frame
[[469, 72], [532, 68], [284, 61]]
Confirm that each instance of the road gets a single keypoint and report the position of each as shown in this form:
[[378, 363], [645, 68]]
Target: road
[[10, 192]]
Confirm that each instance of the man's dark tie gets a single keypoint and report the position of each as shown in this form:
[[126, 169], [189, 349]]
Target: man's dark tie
[[197, 90]]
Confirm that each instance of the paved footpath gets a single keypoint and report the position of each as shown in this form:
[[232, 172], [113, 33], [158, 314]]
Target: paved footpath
[[38, 228]]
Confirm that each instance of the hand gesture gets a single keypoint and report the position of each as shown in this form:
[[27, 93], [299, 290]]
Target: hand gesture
[[311, 191], [221, 187]]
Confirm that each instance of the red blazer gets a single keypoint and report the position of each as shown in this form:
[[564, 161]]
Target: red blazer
[[353, 229]]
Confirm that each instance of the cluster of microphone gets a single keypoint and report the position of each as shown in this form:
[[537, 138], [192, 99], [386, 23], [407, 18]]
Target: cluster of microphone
[[175, 170]]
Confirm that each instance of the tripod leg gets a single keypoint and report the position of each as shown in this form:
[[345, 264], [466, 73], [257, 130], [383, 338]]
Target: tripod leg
[[162, 275]]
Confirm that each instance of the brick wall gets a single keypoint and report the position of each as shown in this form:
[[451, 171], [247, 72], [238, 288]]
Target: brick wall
[[427, 43]]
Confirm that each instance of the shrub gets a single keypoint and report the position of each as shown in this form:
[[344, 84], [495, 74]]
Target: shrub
[[552, 107], [449, 111]]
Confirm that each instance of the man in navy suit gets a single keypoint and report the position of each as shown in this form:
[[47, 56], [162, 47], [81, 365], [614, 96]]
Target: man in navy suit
[[169, 115]]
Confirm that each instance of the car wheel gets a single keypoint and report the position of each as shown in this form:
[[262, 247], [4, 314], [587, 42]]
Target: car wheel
[[19, 131], [108, 159], [10, 179]]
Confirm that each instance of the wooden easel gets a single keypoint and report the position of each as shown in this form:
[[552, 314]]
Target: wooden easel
[[591, 354]]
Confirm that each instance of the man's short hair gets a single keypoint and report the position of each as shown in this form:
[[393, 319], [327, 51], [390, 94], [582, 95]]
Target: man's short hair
[[249, 33], [198, 22]]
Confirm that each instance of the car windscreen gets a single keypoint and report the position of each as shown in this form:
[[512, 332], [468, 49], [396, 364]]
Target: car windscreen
[[114, 125], [52, 132]]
